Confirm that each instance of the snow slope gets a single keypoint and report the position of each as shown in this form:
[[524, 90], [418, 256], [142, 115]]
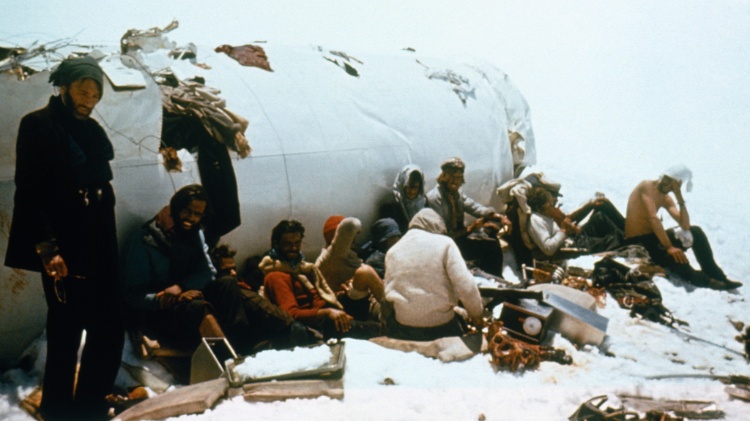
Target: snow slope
[[619, 91]]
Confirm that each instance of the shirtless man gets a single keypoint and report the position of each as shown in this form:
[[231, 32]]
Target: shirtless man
[[667, 246]]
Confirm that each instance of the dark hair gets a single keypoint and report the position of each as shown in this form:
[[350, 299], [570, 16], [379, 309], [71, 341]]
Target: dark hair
[[220, 252], [537, 198], [184, 196], [415, 177], [284, 227]]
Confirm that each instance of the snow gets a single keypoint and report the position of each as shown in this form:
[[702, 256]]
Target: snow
[[273, 363], [619, 91]]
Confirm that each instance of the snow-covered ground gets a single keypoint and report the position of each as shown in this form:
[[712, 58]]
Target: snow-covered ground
[[619, 91]]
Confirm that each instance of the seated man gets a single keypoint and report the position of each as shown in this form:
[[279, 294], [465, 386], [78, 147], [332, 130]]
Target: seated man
[[426, 279], [300, 289], [515, 194], [450, 203], [667, 247], [551, 230], [270, 322], [408, 197], [168, 281], [354, 282], [385, 233]]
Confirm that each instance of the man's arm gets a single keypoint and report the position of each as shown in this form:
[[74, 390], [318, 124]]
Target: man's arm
[[680, 215], [137, 275], [463, 282], [344, 237], [204, 271], [548, 242], [476, 209], [658, 228]]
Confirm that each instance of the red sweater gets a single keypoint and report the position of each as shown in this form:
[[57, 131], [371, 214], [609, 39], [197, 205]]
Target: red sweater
[[290, 294]]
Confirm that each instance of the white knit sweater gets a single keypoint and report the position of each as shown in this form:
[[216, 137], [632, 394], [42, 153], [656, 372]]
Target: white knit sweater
[[427, 276]]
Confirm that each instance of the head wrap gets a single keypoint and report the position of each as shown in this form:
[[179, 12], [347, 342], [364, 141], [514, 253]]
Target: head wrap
[[455, 164], [428, 220], [383, 229], [74, 69], [409, 207], [681, 173], [329, 227], [539, 180]]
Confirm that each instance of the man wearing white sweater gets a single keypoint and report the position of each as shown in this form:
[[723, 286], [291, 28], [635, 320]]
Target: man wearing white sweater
[[425, 281]]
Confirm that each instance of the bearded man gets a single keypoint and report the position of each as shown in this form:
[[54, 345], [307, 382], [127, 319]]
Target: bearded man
[[64, 227]]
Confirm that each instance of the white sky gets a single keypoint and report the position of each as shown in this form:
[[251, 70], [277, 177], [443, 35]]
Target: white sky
[[651, 83]]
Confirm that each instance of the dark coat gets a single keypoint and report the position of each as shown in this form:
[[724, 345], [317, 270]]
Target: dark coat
[[63, 194]]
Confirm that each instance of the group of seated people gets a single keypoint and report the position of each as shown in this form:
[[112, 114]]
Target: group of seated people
[[406, 283]]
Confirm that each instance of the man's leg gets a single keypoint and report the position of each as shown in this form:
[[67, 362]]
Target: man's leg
[[367, 280], [487, 254], [63, 340], [705, 255], [228, 306], [102, 353], [601, 233], [660, 256], [614, 215]]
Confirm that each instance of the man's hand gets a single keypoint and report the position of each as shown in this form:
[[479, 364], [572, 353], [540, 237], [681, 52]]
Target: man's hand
[[169, 297], [505, 222], [166, 300], [342, 320], [477, 322], [677, 254], [190, 295], [55, 267], [569, 227]]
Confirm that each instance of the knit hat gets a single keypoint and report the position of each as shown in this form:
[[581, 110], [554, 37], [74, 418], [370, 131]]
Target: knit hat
[[383, 229], [681, 173], [329, 228], [74, 69], [454, 164]]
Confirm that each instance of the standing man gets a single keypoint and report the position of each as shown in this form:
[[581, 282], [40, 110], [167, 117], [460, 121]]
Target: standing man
[[450, 203], [667, 247], [64, 227]]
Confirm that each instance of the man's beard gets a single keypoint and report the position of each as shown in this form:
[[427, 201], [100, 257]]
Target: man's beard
[[71, 105]]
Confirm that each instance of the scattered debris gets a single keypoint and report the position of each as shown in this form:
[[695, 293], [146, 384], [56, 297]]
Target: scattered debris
[[592, 410], [293, 389], [147, 40], [346, 66], [194, 99], [745, 340], [172, 162], [633, 290], [247, 55], [460, 85], [515, 355], [740, 391], [31, 403], [193, 399], [693, 409], [345, 56], [16, 59]]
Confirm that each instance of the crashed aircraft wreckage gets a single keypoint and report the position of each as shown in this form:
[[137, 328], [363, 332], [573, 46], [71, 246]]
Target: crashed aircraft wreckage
[[272, 131]]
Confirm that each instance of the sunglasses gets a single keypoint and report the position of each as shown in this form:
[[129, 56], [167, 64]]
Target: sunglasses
[[60, 294]]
